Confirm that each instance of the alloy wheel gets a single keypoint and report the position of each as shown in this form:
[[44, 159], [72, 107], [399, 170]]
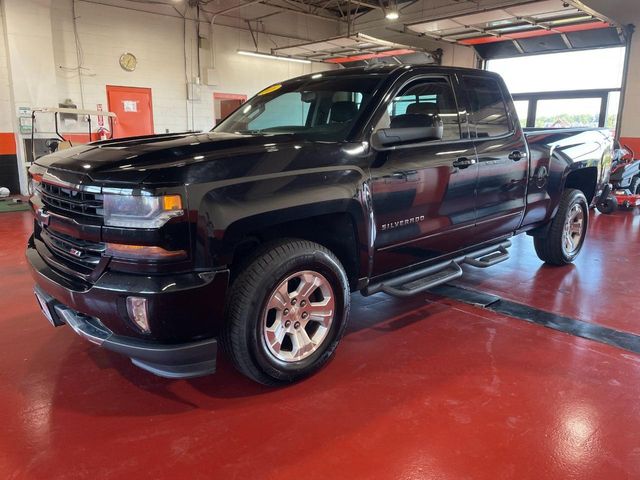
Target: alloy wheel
[[298, 316]]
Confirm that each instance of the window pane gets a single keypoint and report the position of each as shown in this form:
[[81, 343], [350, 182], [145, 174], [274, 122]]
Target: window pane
[[488, 109], [287, 109], [315, 109], [612, 111], [433, 96], [582, 70], [522, 108], [568, 113]]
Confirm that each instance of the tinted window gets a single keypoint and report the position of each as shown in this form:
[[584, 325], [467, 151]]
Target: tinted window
[[287, 109], [432, 96], [488, 108], [322, 108]]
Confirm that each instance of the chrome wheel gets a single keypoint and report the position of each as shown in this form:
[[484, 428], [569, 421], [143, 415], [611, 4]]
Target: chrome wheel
[[298, 316], [573, 230]]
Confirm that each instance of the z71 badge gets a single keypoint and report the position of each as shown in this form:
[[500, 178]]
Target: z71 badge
[[401, 223]]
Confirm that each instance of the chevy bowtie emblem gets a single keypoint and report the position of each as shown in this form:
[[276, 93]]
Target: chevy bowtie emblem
[[75, 253]]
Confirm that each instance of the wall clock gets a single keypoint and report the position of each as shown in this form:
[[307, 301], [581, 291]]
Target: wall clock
[[128, 62]]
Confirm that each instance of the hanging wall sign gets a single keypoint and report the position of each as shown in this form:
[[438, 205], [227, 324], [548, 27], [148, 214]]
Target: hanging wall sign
[[130, 105]]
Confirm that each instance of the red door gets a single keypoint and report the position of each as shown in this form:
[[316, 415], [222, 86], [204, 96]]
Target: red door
[[225, 103], [134, 109], [228, 106]]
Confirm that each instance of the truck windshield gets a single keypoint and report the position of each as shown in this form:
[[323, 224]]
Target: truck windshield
[[318, 108]]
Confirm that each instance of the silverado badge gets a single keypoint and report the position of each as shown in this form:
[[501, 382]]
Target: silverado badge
[[401, 223]]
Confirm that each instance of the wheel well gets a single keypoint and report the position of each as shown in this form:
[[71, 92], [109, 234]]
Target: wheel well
[[584, 179], [334, 231]]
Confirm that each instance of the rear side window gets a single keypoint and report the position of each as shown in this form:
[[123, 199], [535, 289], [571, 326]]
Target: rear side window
[[488, 108]]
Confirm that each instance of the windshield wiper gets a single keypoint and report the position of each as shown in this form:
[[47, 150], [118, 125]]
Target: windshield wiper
[[250, 132]]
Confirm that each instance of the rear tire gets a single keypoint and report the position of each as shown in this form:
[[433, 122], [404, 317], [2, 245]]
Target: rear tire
[[634, 188], [567, 231], [287, 312]]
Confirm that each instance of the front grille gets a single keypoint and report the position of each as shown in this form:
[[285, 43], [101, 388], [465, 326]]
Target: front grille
[[80, 255], [76, 204]]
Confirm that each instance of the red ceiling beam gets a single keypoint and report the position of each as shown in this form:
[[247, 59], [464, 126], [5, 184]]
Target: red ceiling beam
[[536, 33], [368, 56]]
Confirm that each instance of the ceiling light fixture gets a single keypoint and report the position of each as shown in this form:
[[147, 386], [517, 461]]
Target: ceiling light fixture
[[392, 15], [272, 57]]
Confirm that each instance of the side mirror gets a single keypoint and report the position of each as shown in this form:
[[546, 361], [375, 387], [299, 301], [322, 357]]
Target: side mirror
[[409, 128]]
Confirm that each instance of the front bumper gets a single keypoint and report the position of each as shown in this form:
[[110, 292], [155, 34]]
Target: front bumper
[[185, 360], [185, 314]]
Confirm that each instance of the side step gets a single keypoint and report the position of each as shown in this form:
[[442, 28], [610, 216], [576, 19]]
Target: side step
[[427, 278], [489, 260]]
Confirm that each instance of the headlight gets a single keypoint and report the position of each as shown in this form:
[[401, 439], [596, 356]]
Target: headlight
[[140, 211]]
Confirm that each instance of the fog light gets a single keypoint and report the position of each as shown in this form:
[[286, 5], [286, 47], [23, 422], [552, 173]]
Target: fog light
[[137, 309]]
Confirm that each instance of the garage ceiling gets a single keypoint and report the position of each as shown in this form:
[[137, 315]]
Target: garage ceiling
[[495, 28], [349, 49], [494, 25], [530, 28]]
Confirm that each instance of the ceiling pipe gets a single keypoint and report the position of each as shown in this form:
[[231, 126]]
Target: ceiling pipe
[[212, 47]]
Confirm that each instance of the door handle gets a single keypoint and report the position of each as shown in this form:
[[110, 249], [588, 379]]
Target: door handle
[[517, 155], [464, 162]]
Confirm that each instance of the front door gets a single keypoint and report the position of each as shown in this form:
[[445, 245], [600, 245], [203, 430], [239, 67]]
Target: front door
[[134, 111], [502, 159], [424, 194]]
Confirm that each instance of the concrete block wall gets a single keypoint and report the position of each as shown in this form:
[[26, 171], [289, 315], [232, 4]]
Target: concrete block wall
[[39, 61], [158, 42], [8, 158], [106, 32], [5, 95]]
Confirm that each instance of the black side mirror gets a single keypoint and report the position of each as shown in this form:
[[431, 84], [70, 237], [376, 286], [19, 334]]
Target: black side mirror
[[409, 128]]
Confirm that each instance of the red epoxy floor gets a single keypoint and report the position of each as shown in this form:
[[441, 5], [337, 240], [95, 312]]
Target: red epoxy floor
[[418, 390], [603, 286]]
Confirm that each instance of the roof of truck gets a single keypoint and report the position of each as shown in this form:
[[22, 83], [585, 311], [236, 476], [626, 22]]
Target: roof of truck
[[385, 69]]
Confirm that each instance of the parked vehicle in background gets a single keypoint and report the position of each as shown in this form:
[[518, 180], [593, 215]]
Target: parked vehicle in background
[[623, 189], [254, 235]]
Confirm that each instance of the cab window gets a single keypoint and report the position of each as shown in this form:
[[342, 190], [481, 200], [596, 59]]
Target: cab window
[[429, 96], [488, 107]]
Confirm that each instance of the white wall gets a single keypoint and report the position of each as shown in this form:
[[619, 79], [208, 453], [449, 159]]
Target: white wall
[[5, 96], [245, 75], [459, 56], [43, 60], [105, 32]]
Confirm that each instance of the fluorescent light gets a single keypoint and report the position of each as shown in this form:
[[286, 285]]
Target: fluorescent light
[[392, 15], [272, 57]]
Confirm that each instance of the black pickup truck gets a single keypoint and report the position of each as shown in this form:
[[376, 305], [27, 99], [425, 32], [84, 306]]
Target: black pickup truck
[[255, 234]]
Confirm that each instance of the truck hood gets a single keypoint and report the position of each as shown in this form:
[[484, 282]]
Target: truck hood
[[132, 159]]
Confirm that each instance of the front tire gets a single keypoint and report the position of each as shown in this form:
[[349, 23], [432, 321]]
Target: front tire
[[287, 312], [567, 231]]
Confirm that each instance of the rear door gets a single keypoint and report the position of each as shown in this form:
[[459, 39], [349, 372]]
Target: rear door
[[423, 204], [134, 111], [502, 158]]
